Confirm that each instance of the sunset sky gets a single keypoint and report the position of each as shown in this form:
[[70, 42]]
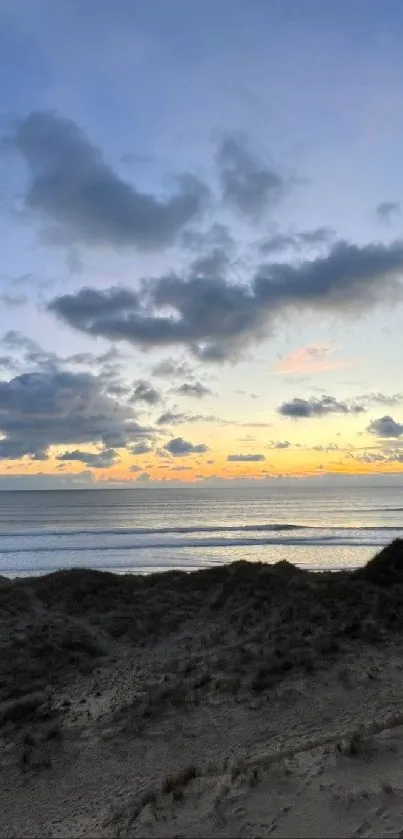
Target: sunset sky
[[201, 209]]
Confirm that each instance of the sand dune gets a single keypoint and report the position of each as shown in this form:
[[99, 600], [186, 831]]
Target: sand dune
[[248, 700]]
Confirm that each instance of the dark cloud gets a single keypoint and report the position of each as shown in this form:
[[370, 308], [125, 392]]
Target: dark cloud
[[90, 359], [319, 236], [379, 457], [196, 390], [56, 407], [386, 209], [140, 448], [346, 276], [73, 186], [215, 318], [172, 368], [8, 362], [245, 458], [172, 418], [279, 444], [82, 358], [331, 447], [181, 448], [209, 265], [380, 398], [31, 352], [248, 184], [296, 241], [144, 392], [33, 355], [385, 427], [216, 236], [96, 460], [305, 408]]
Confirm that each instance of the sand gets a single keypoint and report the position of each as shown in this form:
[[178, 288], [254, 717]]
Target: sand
[[244, 701]]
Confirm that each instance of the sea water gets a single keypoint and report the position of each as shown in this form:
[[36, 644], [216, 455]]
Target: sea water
[[143, 530]]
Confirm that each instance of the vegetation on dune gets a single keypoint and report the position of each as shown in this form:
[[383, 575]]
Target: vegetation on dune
[[240, 627]]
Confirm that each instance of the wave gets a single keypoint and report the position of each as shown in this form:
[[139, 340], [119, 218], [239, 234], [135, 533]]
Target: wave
[[156, 531], [199, 543], [188, 530]]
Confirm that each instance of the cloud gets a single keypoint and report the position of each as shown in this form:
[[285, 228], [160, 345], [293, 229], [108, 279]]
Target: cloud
[[181, 448], [140, 448], [74, 261], [296, 241], [13, 301], [305, 408], [279, 444], [172, 368], [216, 236], [193, 389], [215, 318], [42, 480], [99, 460], [211, 264], [380, 398], [385, 427], [144, 392], [247, 393], [33, 354], [331, 447], [255, 424], [144, 477], [172, 418], [57, 407], [72, 185], [394, 457], [379, 457], [8, 362], [313, 358], [247, 183], [87, 358], [177, 417], [245, 458], [386, 209]]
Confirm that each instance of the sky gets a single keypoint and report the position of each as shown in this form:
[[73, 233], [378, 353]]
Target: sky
[[202, 248]]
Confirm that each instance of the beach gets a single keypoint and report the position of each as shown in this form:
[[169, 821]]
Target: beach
[[242, 700]]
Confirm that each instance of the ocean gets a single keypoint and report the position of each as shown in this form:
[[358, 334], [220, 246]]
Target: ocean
[[143, 530]]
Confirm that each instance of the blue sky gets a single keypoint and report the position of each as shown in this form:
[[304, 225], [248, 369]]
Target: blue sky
[[265, 137]]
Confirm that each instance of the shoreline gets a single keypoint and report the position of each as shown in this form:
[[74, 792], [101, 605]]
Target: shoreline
[[329, 557], [173, 704]]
